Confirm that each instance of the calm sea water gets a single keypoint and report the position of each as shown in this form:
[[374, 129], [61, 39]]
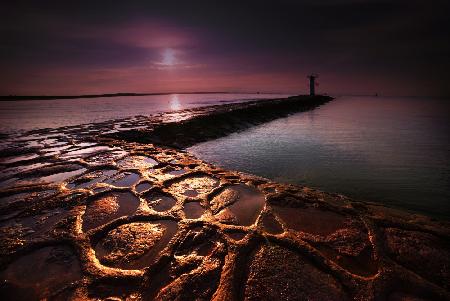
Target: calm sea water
[[391, 150], [35, 114]]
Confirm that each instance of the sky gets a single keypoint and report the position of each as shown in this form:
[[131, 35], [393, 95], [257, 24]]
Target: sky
[[355, 46]]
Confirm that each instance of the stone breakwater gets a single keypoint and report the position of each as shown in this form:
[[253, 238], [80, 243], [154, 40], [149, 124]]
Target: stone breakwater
[[87, 213]]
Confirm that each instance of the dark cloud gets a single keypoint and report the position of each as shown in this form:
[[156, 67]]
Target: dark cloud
[[396, 47]]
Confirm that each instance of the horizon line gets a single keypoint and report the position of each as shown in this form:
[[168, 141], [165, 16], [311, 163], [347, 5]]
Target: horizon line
[[14, 97]]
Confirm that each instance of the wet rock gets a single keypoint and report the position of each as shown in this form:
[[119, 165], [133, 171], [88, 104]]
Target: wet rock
[[409, 248], [195, 186], [106, 158], [276, 273], [351, 249]]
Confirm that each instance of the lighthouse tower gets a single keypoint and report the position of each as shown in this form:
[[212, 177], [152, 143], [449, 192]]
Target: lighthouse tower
[[312, 84]]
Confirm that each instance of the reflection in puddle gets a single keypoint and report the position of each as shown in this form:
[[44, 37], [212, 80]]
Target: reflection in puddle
[[143, 187], [27, 196], [246, 205], [311, 220], [91, 178], [236, 235], [193, 210], [159, 201], [33, 226], [109, 207], [85, 151], [271, 225], [177, 172], [125, 179], [62, 176], [15, 159]]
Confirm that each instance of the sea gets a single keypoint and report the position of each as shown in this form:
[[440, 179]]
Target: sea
[[391, 150]]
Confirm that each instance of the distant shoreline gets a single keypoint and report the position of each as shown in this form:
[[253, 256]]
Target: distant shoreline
[[51, 97]]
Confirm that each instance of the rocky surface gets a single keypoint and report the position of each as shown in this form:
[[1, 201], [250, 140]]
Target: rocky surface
[[89, 216]]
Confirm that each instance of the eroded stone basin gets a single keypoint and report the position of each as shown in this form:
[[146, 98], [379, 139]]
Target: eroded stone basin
[[242, 205], [137, 162], [135, 245], [123, 179], [108, 207], [159, 201], [195, 186], [143, 186]]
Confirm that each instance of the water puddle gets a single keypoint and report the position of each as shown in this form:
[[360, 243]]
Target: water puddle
[[124, 179], [40, 272], [246, 205], [57, 149], [311, 220], [27, 196], [108, 208], [135, 245], [91, 178], [34, 226], [362, 265], [85, 151], [236, 235], [160, 202], [15, 159], [9, 182], [271, 225], [192, 193], [193, 210], [62, 176], [141, 187], [177, 172]]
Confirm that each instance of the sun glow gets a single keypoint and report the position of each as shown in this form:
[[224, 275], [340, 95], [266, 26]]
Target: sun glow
[[169, 57]]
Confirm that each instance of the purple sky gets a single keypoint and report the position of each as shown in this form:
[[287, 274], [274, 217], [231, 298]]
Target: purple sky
[[391, 47]]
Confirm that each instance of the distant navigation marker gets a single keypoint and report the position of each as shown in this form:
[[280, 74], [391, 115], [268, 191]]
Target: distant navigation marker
[[312, 84]]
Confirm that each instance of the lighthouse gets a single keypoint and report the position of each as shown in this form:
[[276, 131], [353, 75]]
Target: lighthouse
[[312, 84]]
